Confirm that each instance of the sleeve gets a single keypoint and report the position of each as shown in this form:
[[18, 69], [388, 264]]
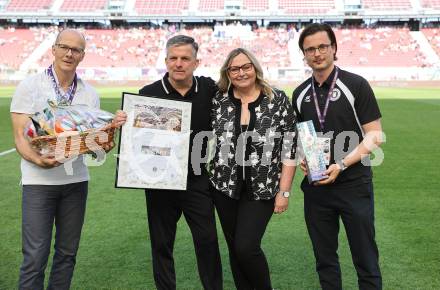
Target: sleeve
[[214, 108], [365, 104], [288, 122], [294, 98], [23, 98], [213, 90]]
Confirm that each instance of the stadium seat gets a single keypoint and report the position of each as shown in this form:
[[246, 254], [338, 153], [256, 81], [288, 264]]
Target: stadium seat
[[28, 5], [387, 4], [160, 7], [303, 7], [83, 5], [211, 5]]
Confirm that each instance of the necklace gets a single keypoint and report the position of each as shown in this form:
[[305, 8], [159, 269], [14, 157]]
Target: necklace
[[62, 98]]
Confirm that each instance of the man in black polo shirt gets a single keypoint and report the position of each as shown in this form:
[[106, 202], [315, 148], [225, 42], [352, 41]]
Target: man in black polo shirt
[[164, 207], [343, 108]]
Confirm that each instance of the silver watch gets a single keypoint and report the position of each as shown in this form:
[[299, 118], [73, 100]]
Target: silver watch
[[286, 194], [341, 164]]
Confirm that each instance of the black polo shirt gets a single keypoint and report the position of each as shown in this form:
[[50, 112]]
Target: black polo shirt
[[200, 95], [352, 104]]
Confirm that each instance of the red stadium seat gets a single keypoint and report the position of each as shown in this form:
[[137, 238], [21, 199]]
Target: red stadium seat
[[28, 5], [83, 5], [302, 7]]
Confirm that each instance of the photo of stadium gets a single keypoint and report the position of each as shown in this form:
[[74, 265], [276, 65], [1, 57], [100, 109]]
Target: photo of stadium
[[393, 44]]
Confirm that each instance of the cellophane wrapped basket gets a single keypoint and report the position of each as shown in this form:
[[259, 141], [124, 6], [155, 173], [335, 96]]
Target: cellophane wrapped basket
[[68, 131], [70, 145]]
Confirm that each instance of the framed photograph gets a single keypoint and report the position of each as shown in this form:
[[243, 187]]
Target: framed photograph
[[154, 143]]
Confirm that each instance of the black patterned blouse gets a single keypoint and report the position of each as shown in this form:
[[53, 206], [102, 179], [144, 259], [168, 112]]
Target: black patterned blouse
[[272, 128]]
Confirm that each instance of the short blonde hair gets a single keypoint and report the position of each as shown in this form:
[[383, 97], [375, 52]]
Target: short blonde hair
[[224, 83]]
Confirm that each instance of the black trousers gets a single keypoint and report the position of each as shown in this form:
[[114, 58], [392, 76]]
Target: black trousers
[[323, 206], [244, 222], [42, 206], [164, 209]]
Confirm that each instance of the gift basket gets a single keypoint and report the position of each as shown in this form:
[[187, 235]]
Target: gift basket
[[66, 131]]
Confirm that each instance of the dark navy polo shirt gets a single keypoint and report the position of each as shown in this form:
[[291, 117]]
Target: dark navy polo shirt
[[352, 104], [200, 95]]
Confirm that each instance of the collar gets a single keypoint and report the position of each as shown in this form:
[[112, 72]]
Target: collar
[[328, 81], [78, 80], [168, 88]]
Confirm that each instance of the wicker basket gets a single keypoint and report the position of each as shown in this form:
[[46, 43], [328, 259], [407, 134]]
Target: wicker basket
[[71, 144]]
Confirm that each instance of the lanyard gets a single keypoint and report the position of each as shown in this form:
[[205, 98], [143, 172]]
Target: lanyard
[[62, 99], [321, 116]]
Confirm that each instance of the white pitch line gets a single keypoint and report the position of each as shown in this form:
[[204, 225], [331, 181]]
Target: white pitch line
[[7, 151]]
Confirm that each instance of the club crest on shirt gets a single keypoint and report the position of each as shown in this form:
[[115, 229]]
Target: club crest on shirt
[[307, 99], [335, 95]]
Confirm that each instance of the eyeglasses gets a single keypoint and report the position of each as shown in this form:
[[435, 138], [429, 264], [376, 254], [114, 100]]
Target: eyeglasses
[[322, 48], [65, 49], [234, 70]]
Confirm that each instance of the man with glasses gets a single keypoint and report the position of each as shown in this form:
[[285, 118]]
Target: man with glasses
[[52, 193], [165, 207], [344, 110]]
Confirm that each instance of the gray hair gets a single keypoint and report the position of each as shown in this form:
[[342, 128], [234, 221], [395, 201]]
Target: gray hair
[[179, 40]]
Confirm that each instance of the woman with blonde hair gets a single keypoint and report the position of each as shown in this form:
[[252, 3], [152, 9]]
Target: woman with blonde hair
[[252, 169]]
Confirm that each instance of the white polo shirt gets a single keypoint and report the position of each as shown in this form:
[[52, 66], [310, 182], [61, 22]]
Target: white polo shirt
[[31, 96]]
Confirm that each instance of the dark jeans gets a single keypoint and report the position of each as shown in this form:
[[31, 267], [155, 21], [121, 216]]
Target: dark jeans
[[43, 205], [355, 206], [164, 209], [244, 222]]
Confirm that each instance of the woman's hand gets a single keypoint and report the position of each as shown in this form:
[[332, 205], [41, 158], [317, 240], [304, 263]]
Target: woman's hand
[[281, 203]]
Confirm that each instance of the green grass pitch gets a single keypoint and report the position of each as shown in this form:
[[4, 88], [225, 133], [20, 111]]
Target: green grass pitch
[[115, 248]]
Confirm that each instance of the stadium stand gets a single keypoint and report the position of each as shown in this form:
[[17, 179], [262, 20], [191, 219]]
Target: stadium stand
[[211, 5], [313, 7], [387, 4], [140, 47], [126, 47], [83, 5], [17, 44], [136, 47], [433, 36], [28, 5], [393, 47], [256, 5], [269, 46], [160, 7], [432, 4]]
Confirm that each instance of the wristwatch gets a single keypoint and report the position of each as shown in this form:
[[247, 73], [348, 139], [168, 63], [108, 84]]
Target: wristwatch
[[341, 164], [286, 194]]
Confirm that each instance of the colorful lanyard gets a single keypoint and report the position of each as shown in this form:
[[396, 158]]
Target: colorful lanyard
[[321, 116], [62, 99]]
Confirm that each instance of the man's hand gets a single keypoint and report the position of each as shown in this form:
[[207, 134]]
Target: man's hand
[[281, 203], [108, 146], [332, 172], [120, 119], [46, 162]]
